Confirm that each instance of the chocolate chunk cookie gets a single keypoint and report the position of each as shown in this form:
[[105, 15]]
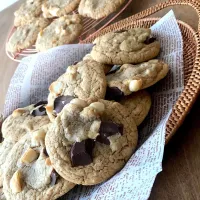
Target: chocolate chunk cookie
[[29, 173], [26, 35], [85, 80], [138, 104], [89, 144], [27, 12], [129, 46], [63, 30], [131, 78], [23, 120], [58, 8], [98, 9]]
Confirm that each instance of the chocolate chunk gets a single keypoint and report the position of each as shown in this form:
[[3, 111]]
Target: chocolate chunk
[[81, 153], [61, 101], [108, 129], [149, 40], [54, 177], [39, 111], [40, 103], [45, 152], [75, 62], [114, 93]]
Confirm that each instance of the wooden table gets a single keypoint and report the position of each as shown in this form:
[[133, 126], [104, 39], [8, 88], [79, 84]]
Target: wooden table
[[180, 178]]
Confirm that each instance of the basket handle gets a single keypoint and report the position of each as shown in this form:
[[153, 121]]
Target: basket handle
[[193, 3]]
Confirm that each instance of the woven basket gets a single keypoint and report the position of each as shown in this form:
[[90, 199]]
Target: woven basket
[[191, 53]]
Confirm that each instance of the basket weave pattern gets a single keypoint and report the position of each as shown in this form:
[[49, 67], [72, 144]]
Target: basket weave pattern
[[191, 54]]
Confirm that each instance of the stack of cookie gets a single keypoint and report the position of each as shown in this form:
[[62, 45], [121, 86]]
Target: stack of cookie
[[87, 129], [48, 23]]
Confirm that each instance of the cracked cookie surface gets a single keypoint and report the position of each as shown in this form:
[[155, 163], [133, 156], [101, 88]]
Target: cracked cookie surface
[[63, 30], [138, 105], [29, 173], [23, 120], [98, 9], [85, 80], [107, 159], [131, 78], [128, 46], [58, 8], [27, 12], [26, 35]]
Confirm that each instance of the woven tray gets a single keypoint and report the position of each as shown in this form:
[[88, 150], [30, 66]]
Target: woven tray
[[191, 54]]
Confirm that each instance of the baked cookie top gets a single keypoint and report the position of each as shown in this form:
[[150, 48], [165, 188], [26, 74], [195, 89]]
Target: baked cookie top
[[29, 173], [138, 104], [88, 144], [131, 78], [98, 9], [5, 148], [128, 46], [23, 120], [58, 8], [85, 80], [27, 12], [63, 30], [26, 35]]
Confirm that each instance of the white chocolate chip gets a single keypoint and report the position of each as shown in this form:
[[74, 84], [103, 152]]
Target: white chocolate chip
[[72, 70], [53, 11], [79, 102], [29, 156], [94, 130], [98, 106], [135, 85], [56, 87], [39, 135], [18, 112], [16, 182]]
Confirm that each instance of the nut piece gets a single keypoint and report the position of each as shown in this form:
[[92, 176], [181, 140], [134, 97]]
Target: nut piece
[[39, 135], [29, 156], [48, 161], [99, 107], [16, 182], [135, 85], [94, 130], [79, 102], [18, 112], [56, 88]]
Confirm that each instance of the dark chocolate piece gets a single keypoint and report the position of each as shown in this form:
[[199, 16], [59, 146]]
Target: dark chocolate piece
[[45, 152], [114, 93], [39, 111], [60, 102], [150, 40], [81, 153], [75, 62], [40, 103], [54, 177], [108, 129]]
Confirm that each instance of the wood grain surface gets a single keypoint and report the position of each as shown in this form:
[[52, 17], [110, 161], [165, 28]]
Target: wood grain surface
[[180, 178]]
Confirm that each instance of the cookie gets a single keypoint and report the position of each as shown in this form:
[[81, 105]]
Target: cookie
[[5, 148], [98, 9], [128, 46], [106, 68], [89, 144], [29, 173], [58, 8], [26, 35], [27, 12], [131, 78], [23, 120], [63, 30], [138, 104], [85, 80]]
